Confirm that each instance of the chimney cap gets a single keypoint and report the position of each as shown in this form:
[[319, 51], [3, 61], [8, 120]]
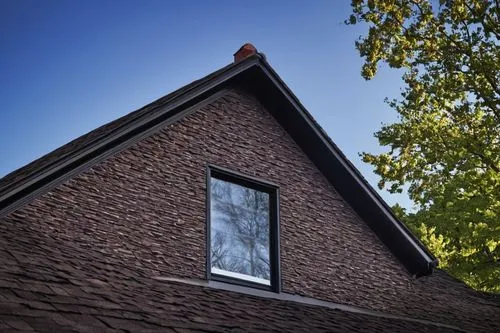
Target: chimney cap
[[245, 51]]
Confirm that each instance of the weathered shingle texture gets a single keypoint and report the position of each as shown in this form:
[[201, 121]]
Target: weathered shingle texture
[[82, 257]]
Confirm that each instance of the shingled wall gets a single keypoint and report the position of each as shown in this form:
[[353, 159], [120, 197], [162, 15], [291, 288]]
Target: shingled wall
[[144, 210]]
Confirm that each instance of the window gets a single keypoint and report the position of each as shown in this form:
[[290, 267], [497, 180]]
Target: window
[[242, 230]]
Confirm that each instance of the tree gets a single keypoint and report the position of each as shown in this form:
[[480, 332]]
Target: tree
[[445, 147]]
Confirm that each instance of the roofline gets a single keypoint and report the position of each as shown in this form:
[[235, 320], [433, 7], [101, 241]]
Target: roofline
[[348, 165], [200, 93], [23, 190]]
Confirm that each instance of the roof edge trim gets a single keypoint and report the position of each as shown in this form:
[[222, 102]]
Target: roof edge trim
[[21, 191], [353, 171]]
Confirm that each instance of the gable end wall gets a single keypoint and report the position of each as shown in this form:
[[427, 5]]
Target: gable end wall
[[144, 210]]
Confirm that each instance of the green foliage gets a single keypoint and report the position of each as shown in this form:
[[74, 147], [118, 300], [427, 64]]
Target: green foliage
[[446, 145]]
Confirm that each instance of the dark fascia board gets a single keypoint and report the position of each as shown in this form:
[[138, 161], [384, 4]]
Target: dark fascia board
[[87, 155], [257, 76], [343, 175]]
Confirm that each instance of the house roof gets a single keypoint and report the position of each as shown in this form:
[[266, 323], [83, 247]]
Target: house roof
[[255, 75], [150, 306], [58, 285]]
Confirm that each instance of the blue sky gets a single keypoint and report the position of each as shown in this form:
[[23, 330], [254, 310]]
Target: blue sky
[[68, 67]]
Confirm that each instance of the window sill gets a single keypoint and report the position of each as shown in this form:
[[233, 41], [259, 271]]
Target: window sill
[[240, 277]]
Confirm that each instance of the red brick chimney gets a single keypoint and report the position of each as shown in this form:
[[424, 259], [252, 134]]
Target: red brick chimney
[[245, 51]]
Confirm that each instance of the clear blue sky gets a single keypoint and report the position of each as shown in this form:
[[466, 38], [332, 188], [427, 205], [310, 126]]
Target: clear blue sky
[[67, 67]]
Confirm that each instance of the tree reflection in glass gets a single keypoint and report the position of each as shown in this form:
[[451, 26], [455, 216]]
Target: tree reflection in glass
[[239, 230]]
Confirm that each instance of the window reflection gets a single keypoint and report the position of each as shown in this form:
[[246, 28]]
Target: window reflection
[[239, 231]]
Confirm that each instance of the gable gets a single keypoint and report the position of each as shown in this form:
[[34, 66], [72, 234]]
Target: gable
[[139, 215], [256, 76], [160, 181]]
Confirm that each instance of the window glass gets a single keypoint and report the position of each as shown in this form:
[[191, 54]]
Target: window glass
[[239, 232]]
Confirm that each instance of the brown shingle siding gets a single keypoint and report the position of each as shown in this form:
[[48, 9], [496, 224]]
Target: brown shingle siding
[[102, 235]]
